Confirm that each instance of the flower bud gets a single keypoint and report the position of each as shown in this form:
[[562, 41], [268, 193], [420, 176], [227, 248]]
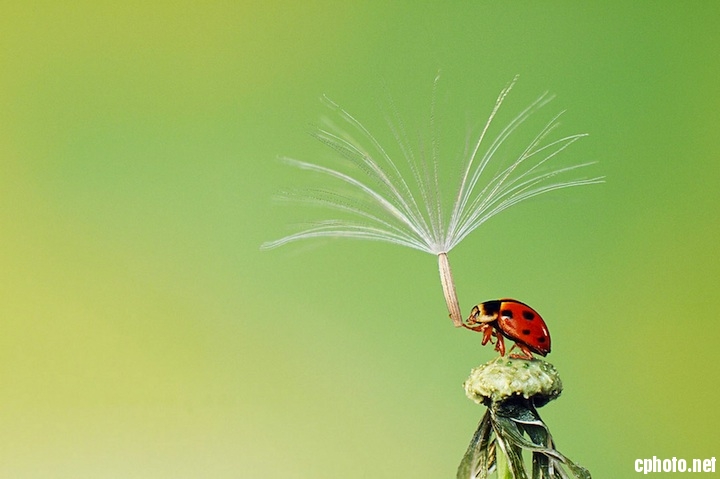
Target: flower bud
[[503, 377]]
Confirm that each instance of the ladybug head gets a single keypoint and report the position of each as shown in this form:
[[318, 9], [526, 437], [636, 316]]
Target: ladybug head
[[486, 312]]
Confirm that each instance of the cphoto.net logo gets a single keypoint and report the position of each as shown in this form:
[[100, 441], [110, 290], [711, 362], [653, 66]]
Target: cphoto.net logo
[[655, 464]]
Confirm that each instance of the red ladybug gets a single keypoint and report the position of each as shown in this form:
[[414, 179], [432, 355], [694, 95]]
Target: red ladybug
[[514, 320]]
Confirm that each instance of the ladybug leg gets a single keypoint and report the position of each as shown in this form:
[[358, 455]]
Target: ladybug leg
[[487, 334], [473, 325], [500, 345], [526, 353]]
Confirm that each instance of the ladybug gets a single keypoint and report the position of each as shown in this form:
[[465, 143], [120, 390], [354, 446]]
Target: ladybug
[[514, 320]]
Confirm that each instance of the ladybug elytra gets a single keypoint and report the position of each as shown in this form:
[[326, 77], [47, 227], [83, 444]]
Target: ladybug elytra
[[514, 320]]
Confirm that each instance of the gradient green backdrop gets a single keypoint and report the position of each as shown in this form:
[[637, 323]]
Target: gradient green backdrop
[[143, 334]]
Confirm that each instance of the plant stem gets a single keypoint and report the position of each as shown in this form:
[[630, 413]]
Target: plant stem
[[448, 286], [501, 462]]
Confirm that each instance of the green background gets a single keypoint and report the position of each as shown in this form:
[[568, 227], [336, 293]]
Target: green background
[[143, 334]]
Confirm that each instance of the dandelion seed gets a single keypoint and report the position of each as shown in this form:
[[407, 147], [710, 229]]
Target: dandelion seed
[[400, 202]]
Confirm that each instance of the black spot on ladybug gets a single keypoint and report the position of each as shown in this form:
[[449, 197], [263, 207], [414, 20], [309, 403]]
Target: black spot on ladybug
[[526, 332], [506, 313], [528, 315], [491, 308], [541, 339]]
